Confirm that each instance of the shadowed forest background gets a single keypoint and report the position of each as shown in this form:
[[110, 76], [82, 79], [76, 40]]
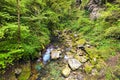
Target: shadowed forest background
[[29, 27]]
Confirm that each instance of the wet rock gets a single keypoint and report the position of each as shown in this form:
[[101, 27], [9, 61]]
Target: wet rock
[[18, 72], [66, 71], [55, 54], [74, 64]]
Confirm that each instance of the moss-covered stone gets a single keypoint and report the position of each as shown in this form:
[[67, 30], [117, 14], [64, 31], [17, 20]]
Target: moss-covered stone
[[26, 71], [81, 42], [66, 71], [88, 68]]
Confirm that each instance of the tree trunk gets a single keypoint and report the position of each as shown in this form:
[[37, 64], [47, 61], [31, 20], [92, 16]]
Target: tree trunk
[[18, 14]]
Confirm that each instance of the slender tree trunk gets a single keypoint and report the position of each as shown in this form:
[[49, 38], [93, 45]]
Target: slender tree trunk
[[18, 14]]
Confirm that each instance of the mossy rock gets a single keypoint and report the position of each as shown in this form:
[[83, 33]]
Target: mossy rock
[[66, 71], [81, 42], [26, 71], [88, 68], [81, 58]]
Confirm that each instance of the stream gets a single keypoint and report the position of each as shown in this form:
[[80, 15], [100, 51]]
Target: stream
[[46, 68], [46, 55], [65, 60]]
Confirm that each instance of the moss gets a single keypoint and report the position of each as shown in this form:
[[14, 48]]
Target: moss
[[81, 41], [26, 71], [88, 68]]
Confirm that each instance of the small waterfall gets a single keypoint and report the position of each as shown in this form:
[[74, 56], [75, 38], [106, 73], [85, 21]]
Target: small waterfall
[[46, 56]]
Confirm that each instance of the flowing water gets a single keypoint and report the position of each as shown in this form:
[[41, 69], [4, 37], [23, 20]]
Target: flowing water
[[46, 69], [46, 55]]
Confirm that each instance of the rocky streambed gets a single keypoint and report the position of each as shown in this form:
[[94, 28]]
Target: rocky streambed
[[71, 58]]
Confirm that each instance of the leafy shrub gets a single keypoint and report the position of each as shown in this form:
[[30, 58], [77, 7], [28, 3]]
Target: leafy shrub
[[10, 50], [113, 32]]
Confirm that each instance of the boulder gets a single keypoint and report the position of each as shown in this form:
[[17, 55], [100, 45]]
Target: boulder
[[55, 54], [74, 64], [66, 71]]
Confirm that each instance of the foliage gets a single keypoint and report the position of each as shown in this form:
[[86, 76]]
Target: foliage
[[29, 46], [102, 33], [38, 19], [11, 51], [113, 32]]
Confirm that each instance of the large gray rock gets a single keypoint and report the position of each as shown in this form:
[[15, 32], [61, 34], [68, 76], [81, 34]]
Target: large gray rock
[[74, 64], [55, 54]]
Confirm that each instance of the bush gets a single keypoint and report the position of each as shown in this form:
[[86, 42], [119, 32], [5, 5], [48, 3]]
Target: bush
[[113, 32], [28, 47]]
